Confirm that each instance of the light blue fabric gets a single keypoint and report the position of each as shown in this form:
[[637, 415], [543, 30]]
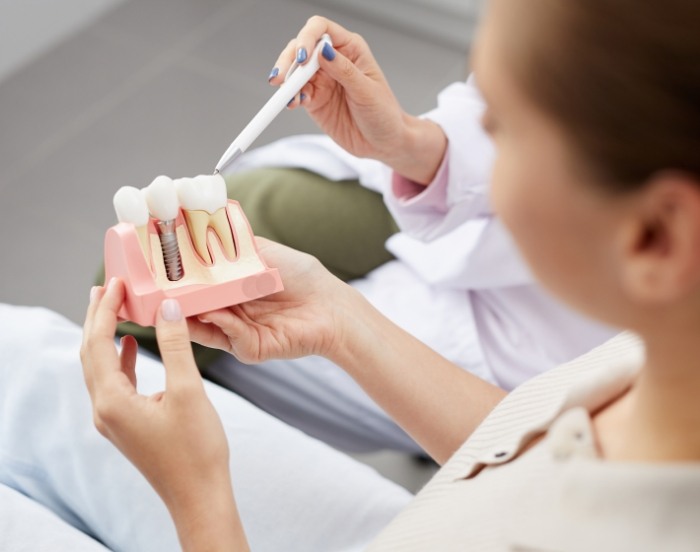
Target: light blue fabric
[[26, 526], [293, 492]]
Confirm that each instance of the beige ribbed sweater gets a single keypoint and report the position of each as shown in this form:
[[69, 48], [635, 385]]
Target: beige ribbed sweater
[[557, 494]]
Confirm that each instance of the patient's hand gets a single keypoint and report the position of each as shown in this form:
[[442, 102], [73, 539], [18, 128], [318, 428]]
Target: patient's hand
[[175, 437], [307, 318]]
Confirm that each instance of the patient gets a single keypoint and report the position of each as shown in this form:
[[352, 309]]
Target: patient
[[597, 177]]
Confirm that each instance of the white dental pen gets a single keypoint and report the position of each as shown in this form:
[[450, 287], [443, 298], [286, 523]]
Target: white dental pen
[[296, 78]]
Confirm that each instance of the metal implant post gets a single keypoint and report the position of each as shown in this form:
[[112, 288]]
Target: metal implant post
[[171, 250]]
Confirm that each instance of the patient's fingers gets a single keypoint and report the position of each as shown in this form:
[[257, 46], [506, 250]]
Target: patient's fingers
[[96, 294], [128, 357], [207, 334], [106, 314], [100, 338], [238, 330], [175, 349], [220, 317]]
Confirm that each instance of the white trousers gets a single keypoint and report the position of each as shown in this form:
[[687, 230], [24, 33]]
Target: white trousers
[[60, 481]]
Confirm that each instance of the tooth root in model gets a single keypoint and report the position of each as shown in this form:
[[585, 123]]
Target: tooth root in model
[[203, 199], [161, 198], [131, 207]]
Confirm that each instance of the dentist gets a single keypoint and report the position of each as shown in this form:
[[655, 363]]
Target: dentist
[[457, 282]]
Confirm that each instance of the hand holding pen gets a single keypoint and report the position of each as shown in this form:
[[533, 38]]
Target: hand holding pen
[[346, 94], [296, 77]]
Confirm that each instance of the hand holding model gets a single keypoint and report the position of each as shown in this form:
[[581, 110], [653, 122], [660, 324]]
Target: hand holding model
[[350, 100], [175, 438], [304, 319], [318, 314]]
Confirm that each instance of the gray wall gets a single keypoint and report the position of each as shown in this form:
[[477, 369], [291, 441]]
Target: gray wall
[[29, 28], [449, 22]]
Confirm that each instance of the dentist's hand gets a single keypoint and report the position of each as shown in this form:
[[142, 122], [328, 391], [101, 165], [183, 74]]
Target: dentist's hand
[[175, 437], [351, 101], [307, 318]]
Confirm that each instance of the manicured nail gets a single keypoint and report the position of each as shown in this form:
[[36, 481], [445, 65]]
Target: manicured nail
[[170, 309], [93, 293], [111, 284], [275, 71], [328, 52], [302, 97], [301, 55]]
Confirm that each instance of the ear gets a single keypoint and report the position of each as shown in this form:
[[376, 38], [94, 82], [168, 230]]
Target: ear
[[661, 241]]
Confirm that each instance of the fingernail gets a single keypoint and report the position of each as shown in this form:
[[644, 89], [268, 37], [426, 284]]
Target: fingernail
[[111, 284], [170, 309], [275, 71], [328, 52], [302, 97], [301, 55], [290, 102], [93, 293]]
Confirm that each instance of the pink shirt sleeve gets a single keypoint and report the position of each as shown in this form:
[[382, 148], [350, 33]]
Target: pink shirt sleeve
[[409, 194]]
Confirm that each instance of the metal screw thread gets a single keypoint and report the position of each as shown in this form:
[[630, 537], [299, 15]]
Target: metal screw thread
[[171, 250]]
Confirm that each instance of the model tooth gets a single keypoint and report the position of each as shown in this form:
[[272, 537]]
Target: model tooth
[[204, 201], [161, 198], [202, 193], [162, 201], [130, 205]]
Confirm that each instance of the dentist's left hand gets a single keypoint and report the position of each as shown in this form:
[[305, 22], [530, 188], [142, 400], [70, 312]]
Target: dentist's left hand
[[174, 437]]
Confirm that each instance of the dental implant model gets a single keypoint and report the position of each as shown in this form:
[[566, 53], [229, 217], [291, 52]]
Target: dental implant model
[[131, 208], [184, 239], [203, 200], [161, 198]]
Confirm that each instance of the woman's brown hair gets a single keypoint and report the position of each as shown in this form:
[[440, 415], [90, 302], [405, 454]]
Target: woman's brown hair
[[621, 76]]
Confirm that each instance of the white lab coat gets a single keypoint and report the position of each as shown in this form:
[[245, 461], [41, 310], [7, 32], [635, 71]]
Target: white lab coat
[[458, 283]]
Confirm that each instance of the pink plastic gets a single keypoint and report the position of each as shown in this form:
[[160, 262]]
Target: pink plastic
[[203, 288]]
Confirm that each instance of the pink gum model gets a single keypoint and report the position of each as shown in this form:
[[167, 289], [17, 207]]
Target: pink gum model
[[138, 260]]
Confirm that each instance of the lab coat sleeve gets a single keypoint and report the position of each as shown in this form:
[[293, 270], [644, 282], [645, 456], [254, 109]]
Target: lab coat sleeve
[[450, 237], [460, 191]]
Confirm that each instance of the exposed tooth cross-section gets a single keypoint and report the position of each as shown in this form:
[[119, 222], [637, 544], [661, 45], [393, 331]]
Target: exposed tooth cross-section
[[203, 200], [161, 198]]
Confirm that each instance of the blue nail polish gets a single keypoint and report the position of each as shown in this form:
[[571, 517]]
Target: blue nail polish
[[328, 52], [302, 97], [273, 73], [301, 55]]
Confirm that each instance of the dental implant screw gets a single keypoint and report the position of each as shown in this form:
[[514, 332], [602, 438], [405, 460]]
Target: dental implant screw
[[171, 250]]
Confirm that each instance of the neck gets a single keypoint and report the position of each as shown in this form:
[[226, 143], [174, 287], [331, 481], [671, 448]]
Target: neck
[[658, 419]]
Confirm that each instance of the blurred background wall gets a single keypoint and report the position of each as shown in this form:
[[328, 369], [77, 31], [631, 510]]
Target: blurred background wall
[[28, 28]]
